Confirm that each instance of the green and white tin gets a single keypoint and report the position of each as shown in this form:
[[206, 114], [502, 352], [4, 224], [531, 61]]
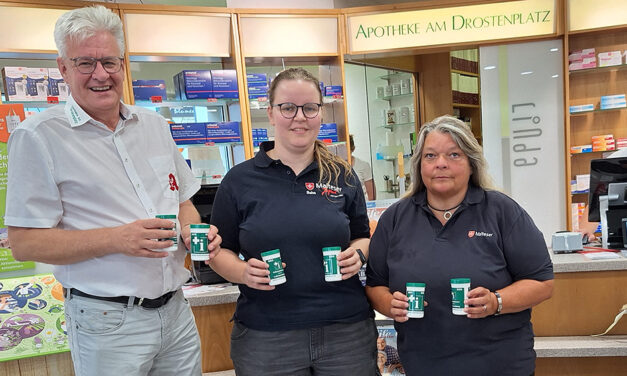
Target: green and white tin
[[415, 293], [199, 247], [459, 291], [331, 266], [175, 246], [273, 259]]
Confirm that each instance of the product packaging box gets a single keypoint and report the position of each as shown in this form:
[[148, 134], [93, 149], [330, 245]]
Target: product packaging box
[[37, 84], [332, 90], [613, 101], [328, 131], [15, 88], [256, 79], [192, 84], [608, 59], [259, 135], [143, 90], [575, 56], [603, 137], [56, 85], [621, 143], [583, 182], [589, 62], [581, 108], [228, 131], [189, 133], [224, 83], [255, 92], [581, 149]]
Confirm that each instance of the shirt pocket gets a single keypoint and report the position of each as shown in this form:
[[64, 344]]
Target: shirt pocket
[[167, 178]]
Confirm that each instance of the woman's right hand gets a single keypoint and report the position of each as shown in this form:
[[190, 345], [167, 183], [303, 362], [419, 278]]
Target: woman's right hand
[[256, 275]]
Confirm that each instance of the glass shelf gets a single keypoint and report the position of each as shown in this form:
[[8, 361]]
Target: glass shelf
[[391, 126], [580, 113], [394, 158], [392, 76], [185, 146], [396, 96], [612, 68]]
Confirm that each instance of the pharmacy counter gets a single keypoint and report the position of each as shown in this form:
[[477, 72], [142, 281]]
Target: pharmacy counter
[[575, 262]]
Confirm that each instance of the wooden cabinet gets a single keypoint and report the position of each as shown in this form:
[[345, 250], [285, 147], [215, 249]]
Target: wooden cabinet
[[465, 88], [586, 86]]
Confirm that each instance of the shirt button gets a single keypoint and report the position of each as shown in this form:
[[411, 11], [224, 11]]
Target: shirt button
[[137, 185], [125, 159], [289, 172], [150, 210]]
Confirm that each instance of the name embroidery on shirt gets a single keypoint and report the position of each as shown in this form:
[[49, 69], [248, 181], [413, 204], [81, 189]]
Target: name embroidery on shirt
[[473, 233], [325, 190]]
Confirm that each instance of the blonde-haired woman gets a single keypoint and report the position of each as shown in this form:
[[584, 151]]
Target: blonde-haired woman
[[298, 197], [451, 225]]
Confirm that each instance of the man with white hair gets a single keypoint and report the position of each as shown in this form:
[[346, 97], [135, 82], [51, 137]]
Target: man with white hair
[[87, 180]]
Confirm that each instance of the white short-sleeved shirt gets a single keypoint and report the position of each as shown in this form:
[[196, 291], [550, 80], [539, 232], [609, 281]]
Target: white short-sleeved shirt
[[69, 171], [364, 173]]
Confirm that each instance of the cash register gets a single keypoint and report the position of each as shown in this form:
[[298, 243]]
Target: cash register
[[608, 200]]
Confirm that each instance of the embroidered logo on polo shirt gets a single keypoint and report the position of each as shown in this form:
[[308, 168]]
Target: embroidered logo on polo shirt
[[473, 233], [173, 185], [330, 190], [309, 186]]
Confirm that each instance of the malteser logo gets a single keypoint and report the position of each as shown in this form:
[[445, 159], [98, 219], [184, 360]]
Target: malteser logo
[[309, 186], [473, 233]]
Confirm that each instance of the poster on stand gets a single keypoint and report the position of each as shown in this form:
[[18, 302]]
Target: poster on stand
[[388, 361], [10, 117], [32, 320]]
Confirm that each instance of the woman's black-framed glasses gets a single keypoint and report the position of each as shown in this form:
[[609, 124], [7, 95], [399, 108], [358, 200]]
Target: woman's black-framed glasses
[[289, 110], [87, 65]]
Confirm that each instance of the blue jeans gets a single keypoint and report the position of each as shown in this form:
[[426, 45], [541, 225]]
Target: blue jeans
[[113, 339], [333, 350]]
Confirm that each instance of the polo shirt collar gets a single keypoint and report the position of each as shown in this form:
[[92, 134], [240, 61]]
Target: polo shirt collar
[[77, 116], [474, 195], [263, 160]]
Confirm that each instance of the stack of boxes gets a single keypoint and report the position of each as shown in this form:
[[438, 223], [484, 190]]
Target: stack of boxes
[[24, 84], [328, 133], [205, 133], [583, 59], [577, 210], [604, 142], [259, 135], [257, 85]]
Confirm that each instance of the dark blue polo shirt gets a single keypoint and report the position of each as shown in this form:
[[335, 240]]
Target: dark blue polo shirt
[[489, 239], [261, 205]]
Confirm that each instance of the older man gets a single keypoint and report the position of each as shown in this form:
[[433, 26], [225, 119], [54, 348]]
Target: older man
[[86, 182]]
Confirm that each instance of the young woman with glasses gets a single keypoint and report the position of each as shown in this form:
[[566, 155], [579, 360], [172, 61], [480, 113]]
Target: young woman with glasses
[[297, 197]]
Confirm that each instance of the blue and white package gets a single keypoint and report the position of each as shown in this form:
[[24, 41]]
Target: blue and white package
[[56, 85], [144, 90], [257, 92], [192, 84], [224, 83], [189, 133], [228, 131], [328, 131], [256, 79]]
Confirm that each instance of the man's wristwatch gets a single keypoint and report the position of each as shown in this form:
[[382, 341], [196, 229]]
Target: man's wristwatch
[[500, 303], [361, 257]]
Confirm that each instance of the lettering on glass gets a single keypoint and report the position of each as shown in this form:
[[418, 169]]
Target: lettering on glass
[[525, 134]]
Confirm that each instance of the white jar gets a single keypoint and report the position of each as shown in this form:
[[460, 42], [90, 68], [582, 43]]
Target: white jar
[[415, 293], [459, 292], [199, 247], [175, 246]]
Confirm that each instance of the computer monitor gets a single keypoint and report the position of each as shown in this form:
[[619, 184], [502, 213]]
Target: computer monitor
[[603, 172]]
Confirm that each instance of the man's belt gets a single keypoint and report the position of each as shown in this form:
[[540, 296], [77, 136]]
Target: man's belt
[[142, 302]]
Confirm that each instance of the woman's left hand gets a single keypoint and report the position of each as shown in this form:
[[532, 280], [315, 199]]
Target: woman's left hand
[[349, 263], [481, 303]]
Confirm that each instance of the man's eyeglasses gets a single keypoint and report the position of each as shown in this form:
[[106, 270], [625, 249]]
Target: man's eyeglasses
[[289, 110], [87, 65]]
